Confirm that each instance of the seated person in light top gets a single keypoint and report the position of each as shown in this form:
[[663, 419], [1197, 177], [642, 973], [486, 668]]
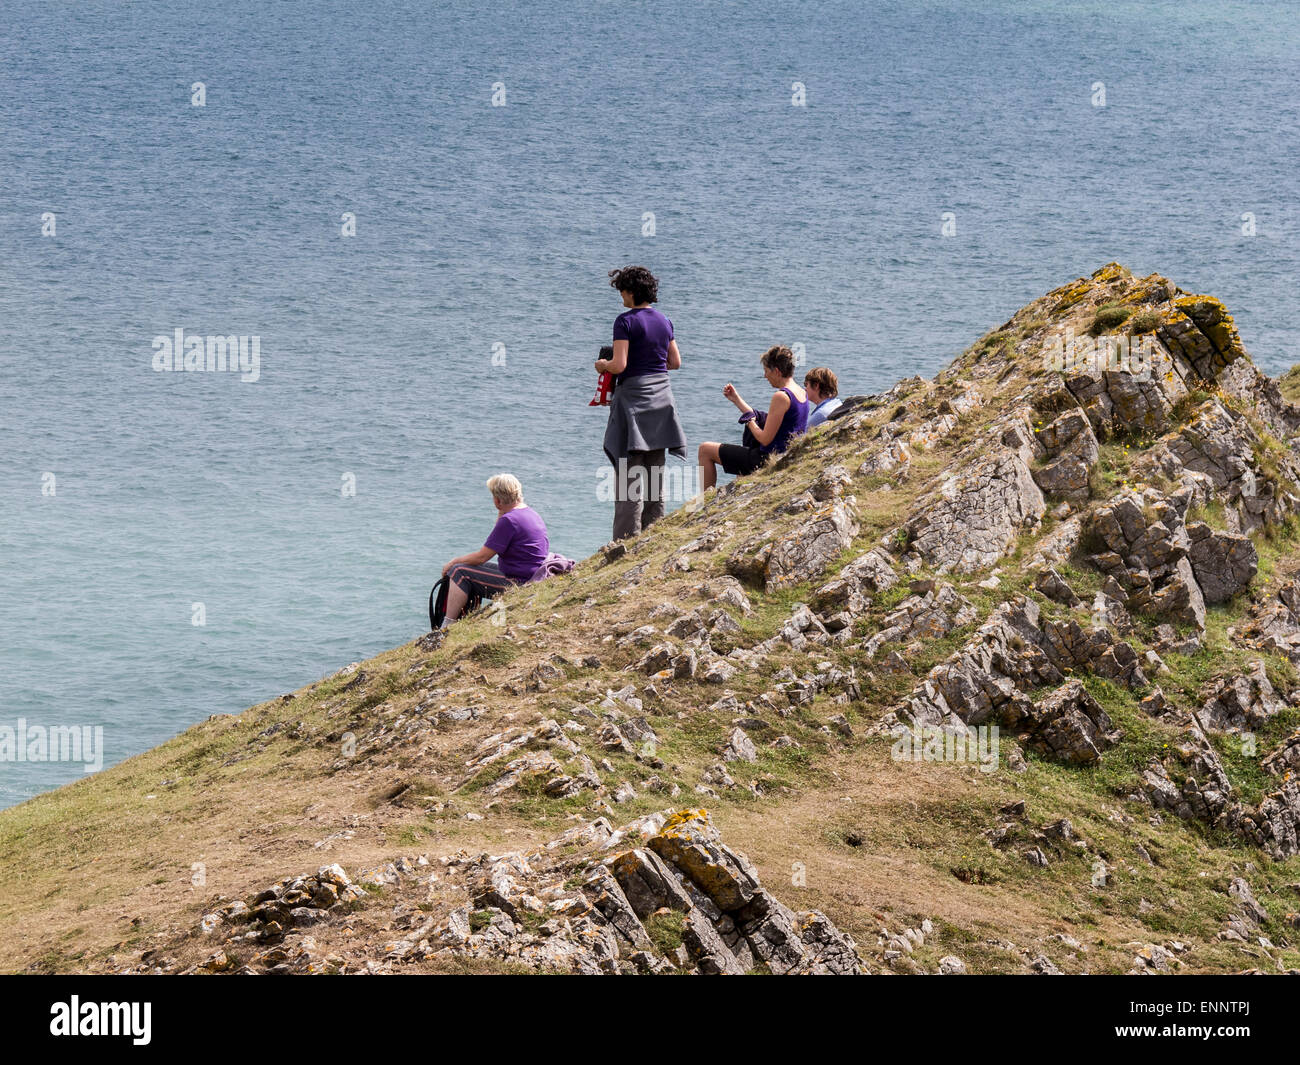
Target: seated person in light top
[[518, 539], [823, 393], [765, 434]]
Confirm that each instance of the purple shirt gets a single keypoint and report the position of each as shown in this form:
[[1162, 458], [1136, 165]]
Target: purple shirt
[[520, 542], [648, 333]]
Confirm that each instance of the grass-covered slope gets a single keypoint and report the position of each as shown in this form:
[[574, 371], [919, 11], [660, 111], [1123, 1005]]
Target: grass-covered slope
[[1096, 557]]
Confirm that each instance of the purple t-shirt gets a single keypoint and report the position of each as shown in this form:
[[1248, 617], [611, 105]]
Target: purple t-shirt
[[520, 542], [648, 333]]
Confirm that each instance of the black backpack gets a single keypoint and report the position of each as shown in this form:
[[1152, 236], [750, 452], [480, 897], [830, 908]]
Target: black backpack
[[438, 604]]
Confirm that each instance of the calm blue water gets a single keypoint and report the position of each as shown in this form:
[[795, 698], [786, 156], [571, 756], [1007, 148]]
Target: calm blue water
[[479, 225]]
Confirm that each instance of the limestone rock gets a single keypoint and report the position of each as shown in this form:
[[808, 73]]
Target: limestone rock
[[1224, 563], [1054, 586], [1245, 701], [1072, 451], [739, 747], [975, 519], [1071, 726]]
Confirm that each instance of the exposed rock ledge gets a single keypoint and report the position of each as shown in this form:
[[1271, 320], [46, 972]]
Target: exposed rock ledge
[[678, 901]]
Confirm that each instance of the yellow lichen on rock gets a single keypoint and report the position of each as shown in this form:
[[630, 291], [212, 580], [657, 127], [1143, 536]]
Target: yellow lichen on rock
[[1112, 271], [683, 817]]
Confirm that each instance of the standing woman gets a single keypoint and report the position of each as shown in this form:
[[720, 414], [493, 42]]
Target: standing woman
[[643, 422]]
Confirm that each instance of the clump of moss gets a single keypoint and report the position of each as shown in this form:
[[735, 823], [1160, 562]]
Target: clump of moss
[[1145, 322], [1110, 316], [499, 653], [665, 930], [1289, 383]]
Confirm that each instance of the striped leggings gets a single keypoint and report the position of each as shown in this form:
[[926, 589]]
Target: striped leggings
[[480, 582]]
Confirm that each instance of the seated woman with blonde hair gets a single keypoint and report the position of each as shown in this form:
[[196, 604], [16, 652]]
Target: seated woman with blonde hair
[[519, 540], [765, 434]]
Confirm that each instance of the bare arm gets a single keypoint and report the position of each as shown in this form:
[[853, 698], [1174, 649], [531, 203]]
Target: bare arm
[[775, 413], [618, 363], [474, 558], [674, 356], [730, 392]]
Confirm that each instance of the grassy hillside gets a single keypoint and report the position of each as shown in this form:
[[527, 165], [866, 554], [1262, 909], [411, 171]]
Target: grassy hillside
[[933, 518]]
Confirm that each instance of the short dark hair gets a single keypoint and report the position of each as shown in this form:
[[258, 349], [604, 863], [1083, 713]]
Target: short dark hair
[[823, 379], [779, 358], [637, 280]]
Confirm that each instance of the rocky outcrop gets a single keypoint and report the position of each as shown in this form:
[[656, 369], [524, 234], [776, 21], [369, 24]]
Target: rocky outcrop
[[1274, 625], [974, 518], [1142, 544], [1223, 563], [801, 554], [1072, 451], [1200, 330], [681, 902], [1070, 726], [1218, 453], [852, 589], [932, 610], [1193, 784], [1243, 702], [989, 678]]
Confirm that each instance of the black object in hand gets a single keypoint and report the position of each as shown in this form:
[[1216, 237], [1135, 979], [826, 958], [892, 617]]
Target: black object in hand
[[607, 352]]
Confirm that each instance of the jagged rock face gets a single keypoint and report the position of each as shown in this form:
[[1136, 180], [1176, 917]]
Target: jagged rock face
[[988, 679], [1117, 402], [1055, 587], [1274, 625], [1203, 333], [1216, 452], [577, 905], [727, 922], [1145, 547], [1199, 789], [1070, 726], [1223, 563], [852, 589], [1068, 645], [975, 519], [1244, 381], [1241, 702], [930, 612], [1072, 451], [800, 555]]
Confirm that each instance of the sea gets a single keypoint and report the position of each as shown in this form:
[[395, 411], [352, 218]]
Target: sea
[[408, 211]]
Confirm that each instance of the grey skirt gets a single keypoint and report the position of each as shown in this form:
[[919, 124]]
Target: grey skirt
[[643, 417]]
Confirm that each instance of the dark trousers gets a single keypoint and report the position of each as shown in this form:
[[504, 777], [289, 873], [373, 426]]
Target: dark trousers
[[638, 492]]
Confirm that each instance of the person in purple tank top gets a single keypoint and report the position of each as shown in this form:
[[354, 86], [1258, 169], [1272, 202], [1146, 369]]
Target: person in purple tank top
[[765, 434], [519, 541]]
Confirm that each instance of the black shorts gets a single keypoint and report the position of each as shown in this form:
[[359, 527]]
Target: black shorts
[[737, 459]]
